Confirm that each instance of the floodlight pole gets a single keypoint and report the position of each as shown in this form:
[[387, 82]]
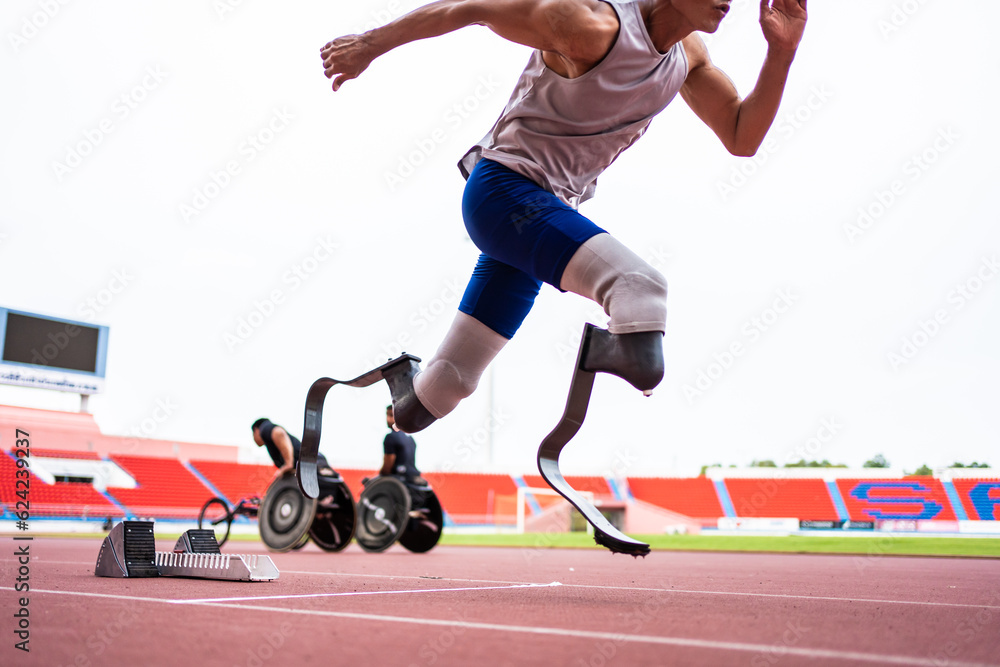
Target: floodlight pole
[[490, 422]]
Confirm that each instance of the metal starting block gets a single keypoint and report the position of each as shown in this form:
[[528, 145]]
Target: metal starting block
[[229, 567], [129, 551]]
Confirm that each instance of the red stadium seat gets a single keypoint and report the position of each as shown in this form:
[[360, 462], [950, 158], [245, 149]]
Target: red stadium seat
[[912, 498], [475, 498], [691, 496], [778, 497], [236, 480], [166, 489], [62, 499]]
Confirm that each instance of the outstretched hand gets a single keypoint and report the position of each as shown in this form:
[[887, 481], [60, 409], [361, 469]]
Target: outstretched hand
[[346, 58], [783, 22]]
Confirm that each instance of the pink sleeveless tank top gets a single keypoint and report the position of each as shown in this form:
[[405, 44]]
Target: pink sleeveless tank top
[[563, 133]]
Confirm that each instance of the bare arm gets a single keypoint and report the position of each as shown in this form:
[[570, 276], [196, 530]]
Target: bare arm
[[284, 445], [388, 461], [741, 125], [573, 34]]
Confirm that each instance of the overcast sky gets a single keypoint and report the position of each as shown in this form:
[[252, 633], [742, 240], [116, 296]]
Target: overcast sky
[[185, 176]]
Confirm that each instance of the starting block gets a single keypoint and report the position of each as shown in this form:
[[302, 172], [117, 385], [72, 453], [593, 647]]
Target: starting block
[[129, 551]]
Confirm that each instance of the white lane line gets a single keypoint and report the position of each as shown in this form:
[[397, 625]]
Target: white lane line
[[46, 561], [960, 605], [360, 593], [109, 596], [402, 576], [918, 603], [745, 647]]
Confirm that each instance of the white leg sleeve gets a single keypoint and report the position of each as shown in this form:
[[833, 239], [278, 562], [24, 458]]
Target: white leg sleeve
[[632, 292], [454, 371]]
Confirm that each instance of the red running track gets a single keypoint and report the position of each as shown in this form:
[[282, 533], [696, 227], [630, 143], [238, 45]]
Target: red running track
[[486, 606]]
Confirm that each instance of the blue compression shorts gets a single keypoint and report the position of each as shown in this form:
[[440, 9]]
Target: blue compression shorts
[[527, 236]]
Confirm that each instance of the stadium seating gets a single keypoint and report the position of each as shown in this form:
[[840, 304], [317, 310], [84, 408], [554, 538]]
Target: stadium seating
[[778, 497], [980, 498], [473, 498], [599, 486], [166, 489], [911, 498], [693, 496], [235, 480], [62, 499], [169, 488], [352, 478]]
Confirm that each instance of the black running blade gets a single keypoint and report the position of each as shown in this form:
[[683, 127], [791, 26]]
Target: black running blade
[[580, 388], [619, 546], [308, 477], [306, 470]]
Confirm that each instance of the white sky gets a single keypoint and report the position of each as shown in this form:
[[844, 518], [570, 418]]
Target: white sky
[[199, 78]]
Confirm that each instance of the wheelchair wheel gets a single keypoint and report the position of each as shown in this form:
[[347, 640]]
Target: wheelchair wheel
[[215, 516], [285, 515], [333, 527], [383, 512], [423, 529]]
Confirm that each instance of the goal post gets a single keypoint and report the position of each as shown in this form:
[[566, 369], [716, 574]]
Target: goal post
[[523, 492]]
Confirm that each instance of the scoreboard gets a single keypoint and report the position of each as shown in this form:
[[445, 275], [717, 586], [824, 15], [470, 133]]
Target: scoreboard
[[52, 353]]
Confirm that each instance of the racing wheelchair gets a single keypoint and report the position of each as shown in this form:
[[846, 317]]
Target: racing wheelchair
[[387, 511], [216, 515], [391, 509], [287, 519]]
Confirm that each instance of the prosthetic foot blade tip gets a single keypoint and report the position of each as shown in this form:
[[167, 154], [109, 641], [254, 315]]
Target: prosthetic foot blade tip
[[631, 548]]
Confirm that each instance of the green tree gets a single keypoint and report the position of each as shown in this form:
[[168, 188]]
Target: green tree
[[878, 461], [766, 463], [923, 470], [802, 463]]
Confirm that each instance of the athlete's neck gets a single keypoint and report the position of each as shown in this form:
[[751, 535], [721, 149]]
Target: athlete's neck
[[664, 23]]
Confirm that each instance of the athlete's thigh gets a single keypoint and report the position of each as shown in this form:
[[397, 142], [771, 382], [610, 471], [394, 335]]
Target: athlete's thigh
[[499, 295], [515, 221]]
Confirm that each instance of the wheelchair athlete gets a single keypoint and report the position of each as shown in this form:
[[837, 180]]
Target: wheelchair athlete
[[284, 447], [399, 461]]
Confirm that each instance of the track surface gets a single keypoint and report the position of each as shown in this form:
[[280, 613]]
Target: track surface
[[489, 606]]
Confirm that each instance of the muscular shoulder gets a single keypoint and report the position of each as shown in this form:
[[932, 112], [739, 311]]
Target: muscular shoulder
[[593, 30], [577, 33], [696, 51], [587, 14]]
